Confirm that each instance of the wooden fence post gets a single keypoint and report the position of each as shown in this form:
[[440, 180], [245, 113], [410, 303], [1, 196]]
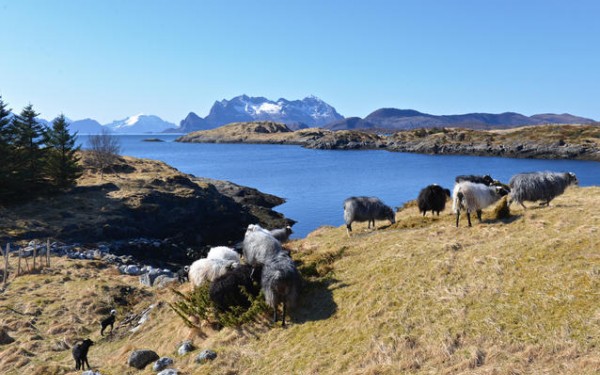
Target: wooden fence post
[[34, 253], [6, 265], [19, 261], [48, 252]]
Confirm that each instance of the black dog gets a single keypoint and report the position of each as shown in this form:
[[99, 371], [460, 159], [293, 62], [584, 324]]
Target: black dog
[[80, 352], [110, 321]]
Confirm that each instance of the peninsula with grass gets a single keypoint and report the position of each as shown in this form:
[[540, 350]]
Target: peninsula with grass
[[580, 142]]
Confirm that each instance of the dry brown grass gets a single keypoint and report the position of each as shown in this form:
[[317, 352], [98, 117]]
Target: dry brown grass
[[511, 296]]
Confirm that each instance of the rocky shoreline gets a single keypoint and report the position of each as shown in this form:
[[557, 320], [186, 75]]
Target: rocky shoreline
[[580, 142], [140, 198]]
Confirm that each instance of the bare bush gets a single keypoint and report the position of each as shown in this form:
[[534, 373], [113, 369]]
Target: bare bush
[[104, 150]]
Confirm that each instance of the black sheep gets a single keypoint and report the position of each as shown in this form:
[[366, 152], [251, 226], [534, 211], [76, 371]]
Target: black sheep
[[109, 321], [486, 180], [80, 352], [182, 274], [432, 198], [226, 290]]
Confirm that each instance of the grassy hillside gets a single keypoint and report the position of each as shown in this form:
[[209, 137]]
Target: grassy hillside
[[420, 296]]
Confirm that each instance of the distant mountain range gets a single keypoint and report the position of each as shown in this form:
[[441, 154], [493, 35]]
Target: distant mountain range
[[400, 119], [296, 114], [314, 112]]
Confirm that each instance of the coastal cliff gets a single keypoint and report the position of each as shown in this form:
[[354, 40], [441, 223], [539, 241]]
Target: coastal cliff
[[581, 142]]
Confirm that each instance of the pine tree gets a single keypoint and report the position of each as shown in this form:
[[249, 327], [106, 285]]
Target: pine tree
[[5, 152], [27, 138], [62, 163]]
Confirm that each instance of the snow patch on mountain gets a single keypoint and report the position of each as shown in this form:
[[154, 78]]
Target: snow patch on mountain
[[140, 123]]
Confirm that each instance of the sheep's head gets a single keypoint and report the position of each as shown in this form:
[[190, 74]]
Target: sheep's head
[[572, 179], [390, 215], [501, 190], [488, 180], [87, 342], [113, 312]]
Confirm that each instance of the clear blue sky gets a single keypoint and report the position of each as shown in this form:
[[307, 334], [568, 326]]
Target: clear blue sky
[[110, 59]]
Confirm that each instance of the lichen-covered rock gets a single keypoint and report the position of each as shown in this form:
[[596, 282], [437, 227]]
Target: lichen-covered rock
[[141, 358], [205, 356], [162, 363]]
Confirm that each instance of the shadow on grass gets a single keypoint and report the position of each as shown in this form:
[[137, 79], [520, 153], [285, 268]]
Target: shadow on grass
[[507, 220], [316, 302]]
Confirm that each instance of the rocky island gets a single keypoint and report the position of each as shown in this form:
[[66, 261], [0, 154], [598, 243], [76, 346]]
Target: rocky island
[[581, 142]]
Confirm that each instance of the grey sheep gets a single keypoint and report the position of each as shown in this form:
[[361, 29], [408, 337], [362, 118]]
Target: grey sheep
[[539, 186], [259, 245], [432, 198], [280, 283], [369, 209], [469, 196], [282, 234]]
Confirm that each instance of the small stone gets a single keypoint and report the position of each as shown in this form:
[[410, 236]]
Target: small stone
[[162, 363], [163, 280], [185, 348], [205, 356], [141, 358], [146, 279], [168, 371], [132, 270]]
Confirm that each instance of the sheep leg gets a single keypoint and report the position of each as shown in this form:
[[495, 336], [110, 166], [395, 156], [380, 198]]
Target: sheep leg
[[469, 218], [457, 217], [349, 229], [88, 364], [479, 215], [523, 206], [283, 316]]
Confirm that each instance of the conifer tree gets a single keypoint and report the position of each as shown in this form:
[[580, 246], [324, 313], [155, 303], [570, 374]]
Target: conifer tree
[[27, 138], [5, 152], [62, 163]]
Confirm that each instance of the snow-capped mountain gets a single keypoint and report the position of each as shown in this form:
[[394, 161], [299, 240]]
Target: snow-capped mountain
[[140, 124], [308, 112]]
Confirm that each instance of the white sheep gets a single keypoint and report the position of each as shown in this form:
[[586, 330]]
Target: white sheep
[[471, 197], [223, 252], [206, 270], [259, 245]]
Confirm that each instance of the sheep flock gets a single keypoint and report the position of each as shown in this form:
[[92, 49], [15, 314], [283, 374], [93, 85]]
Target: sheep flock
[[265, 266]]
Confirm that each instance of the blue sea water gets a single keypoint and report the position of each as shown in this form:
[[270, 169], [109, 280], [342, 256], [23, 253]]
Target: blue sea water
[[316, 182]]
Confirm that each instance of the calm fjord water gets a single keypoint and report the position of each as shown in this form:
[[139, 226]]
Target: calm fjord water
[[316, 182]]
